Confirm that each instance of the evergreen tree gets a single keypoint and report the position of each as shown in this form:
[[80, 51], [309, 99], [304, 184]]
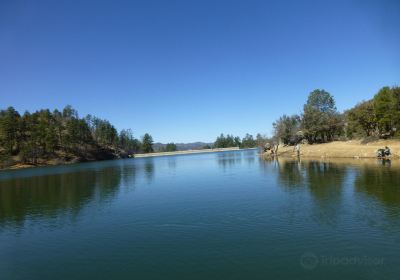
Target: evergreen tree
[[248, 141], [170, 147], [387, 110], [9, 130], [320, 120], [147, 143]]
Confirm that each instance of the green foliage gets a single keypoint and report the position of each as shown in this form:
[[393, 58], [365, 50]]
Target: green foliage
[[44, 134], [229, 141], [226, 142], [248, 142], [322, 101], [285, 128], [320, 120], [127, 142], [387, 110], [4, 159], [77, 133], [9, 122], [237, 141], [102, 131], [147, 144], [361, 120], [170, 147]]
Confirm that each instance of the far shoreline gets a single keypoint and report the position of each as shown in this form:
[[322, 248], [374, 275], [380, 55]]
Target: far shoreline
[[20, 166], [186, 152]]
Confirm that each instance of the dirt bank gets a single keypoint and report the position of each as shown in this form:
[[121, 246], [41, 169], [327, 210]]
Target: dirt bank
[[342, 149]]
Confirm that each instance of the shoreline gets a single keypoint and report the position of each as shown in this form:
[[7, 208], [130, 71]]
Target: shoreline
[[341, 149], [186, 152], [19, 166]]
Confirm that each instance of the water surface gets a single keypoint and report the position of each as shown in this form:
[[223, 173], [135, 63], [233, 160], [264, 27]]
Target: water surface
[[229, 215]]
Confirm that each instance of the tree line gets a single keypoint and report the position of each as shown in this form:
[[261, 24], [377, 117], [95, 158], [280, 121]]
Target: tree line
[[46, 134], [321, 122], [169, 147], [248, 141]]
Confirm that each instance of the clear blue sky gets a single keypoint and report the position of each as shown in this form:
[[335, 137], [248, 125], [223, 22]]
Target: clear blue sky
[[188, 70]]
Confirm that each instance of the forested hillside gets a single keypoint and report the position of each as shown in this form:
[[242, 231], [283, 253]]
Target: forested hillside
[[62, 136]]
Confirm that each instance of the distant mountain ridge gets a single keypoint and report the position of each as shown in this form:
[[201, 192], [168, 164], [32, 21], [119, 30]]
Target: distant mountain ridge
[[183, 146]]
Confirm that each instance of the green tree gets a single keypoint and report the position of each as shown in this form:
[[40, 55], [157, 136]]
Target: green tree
[[127, 142], [237, 141], [220, 142], [227, 141], [170, 147], [30, 151], [286, 127], [9, 130], [78, 134], [248, 141], [69, 113], [103, 132], [320, 120], [361, 119], [147, 143], [387, 110]]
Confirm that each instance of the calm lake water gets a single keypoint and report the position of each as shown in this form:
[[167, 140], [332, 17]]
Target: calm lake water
[[227, 215]]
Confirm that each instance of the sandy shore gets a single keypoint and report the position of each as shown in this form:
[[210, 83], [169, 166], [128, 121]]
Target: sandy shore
[[342, 149], [185, 152]]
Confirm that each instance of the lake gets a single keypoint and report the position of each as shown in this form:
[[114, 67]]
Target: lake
[[228, 215]]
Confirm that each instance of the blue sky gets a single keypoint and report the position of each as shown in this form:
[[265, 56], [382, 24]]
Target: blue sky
[[188, 70]]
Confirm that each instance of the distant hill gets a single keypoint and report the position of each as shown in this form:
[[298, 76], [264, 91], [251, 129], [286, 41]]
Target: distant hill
[[182, 146]]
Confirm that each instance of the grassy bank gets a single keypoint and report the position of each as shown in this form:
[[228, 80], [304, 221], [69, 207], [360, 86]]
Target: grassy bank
[[343, 149]]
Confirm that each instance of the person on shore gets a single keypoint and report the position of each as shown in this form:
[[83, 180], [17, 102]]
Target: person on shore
[[297, 149], [267, 147], [387, 151]]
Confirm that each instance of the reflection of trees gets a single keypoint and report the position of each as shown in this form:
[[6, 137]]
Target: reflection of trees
[[291, 173], [44, 195], [171, 162], [53, 194], [324, 180], [250, 159], [149, 169], [226, 159], [128, 176], [382, 183], [107, 181]]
